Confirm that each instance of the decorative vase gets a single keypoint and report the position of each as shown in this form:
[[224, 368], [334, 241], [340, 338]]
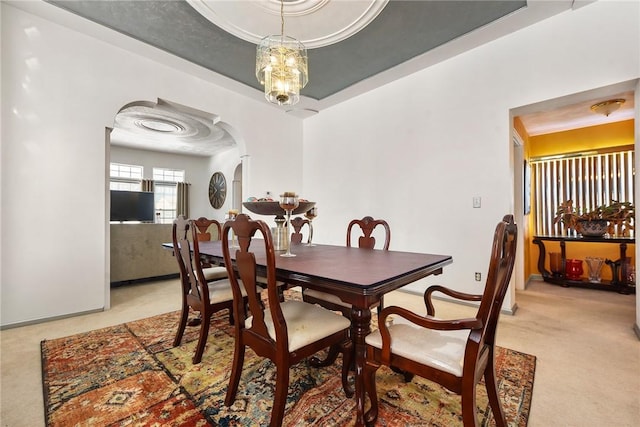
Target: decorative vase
[[574, 269], [594, 266], [593, 228], [555, 264]]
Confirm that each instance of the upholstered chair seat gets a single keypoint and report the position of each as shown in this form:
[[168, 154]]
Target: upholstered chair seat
[[302, 321], [214, 273], [220, 291], [443, 350]]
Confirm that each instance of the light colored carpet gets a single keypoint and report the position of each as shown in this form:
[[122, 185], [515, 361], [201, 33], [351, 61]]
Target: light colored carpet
[[588, 357]]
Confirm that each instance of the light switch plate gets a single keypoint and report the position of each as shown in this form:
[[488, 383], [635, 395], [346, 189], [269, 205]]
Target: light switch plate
[[477, 201]]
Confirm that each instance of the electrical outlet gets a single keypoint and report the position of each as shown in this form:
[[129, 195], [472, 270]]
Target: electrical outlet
[[478, 277], [477, 202]]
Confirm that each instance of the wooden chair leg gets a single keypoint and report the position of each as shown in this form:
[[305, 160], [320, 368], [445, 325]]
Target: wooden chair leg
[[492, 392], [369, 374], [236, 372], [280, 396], [381, 305], [202, 340], [181, 325], [332, 355], [469, 416]]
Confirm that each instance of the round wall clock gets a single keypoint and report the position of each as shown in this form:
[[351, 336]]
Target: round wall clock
[[217, 190]]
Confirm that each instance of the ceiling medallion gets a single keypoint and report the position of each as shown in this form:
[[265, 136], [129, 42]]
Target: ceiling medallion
[[316, 23], [158, 125], [607, 107]]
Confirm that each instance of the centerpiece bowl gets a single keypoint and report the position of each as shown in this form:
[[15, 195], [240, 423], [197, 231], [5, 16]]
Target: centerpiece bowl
[[273, 208]]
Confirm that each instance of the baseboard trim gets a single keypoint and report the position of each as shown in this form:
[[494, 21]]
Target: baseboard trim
[[144, 280], [636, 329], [49, 319]]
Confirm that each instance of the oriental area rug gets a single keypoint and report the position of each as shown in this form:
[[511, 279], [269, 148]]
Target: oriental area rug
[[130, 375]]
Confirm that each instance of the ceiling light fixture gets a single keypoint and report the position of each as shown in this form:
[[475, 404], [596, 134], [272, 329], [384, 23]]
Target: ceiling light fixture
[[607, 107], [281, 66]]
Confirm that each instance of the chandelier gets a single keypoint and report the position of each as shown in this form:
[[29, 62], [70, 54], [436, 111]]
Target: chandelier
[[281, 66]]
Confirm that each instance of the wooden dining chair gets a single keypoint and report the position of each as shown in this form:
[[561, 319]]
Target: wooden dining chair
[[454, 353], [366, 240], [285, 332], [297, 223], [198, 294], [207, 230]]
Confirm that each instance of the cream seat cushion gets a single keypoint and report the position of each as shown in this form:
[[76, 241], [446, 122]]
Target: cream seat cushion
[[306, 323], [214, 273], [325, 297], [443, 350], [220, 291]]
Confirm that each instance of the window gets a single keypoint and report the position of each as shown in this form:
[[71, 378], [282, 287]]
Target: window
[[125, 177], [166, 193], [590, 180]]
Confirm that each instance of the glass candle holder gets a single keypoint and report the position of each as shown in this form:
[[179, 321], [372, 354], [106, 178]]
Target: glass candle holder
[[310, 215], [555, 264], [289, 201]]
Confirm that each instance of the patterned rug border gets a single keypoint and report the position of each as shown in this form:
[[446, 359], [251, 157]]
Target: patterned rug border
[[157, 347]]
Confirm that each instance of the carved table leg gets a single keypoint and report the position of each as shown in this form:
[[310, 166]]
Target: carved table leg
[[542, 254], [360, 328]]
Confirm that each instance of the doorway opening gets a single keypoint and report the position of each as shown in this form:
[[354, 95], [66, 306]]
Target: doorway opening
[[175, 148], [561, 127]]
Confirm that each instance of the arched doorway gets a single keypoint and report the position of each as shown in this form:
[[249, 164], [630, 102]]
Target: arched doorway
[[179, 140]]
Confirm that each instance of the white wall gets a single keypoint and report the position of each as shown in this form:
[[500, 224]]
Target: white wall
[[416, 151], [60, 90]]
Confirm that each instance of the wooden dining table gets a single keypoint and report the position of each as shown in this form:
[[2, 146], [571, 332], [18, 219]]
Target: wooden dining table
[[359, 277]]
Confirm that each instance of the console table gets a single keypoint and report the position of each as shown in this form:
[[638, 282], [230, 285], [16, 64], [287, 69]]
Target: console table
[[618, 282]]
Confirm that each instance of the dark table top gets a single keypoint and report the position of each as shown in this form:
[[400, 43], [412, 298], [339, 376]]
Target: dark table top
[[366, 271]]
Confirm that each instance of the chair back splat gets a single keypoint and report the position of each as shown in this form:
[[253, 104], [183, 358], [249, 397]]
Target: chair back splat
[[285, 332], [182, 250], [297, 223], [367, 225], [208, 229], [455, 353]]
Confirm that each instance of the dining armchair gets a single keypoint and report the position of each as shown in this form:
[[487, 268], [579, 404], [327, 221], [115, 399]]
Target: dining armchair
[[297, 223], [207, 230], [285, 332], [455, 353], [198, 294], [366, 240]]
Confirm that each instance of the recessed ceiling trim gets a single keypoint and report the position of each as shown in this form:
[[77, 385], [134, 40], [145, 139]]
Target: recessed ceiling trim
[[159, 125], [316, 23]]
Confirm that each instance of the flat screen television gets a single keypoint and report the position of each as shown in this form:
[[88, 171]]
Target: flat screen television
[[132, 206]]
